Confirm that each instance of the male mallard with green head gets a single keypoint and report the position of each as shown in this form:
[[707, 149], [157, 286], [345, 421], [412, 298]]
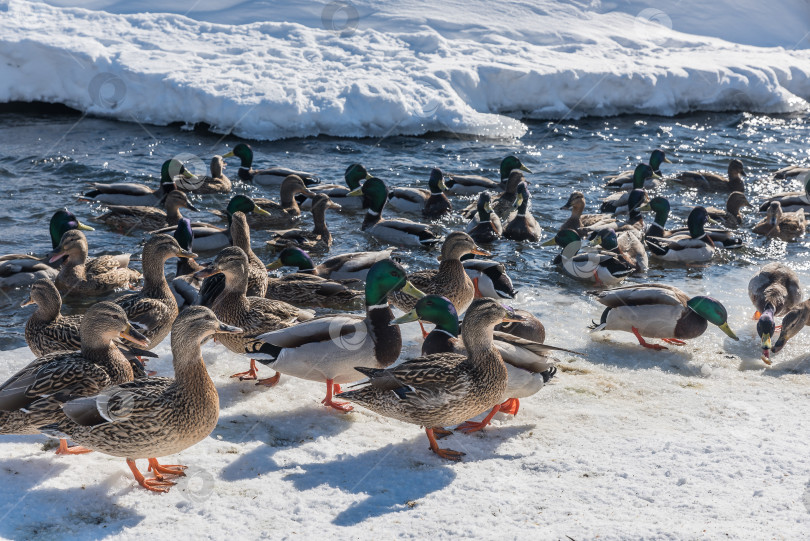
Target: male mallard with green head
[[774, 290], [266, 177]]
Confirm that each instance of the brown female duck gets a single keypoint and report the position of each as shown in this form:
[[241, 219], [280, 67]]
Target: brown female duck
[[82, 278], [317, 240]]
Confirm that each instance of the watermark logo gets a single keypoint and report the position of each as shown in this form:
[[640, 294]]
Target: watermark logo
[[198, 486], [647, 19], [340, 17], [351, 340], [107, 90], [194, 165]]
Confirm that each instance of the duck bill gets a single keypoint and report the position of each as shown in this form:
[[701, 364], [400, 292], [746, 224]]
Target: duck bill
[[655, 175], [407, 318], [189, 206], [188, 174], [518, 201], [27, 301], [186, 254], [205, 273], [488, 207], [229, 329], [333, 205], [357, 192], [442, 185], [260, 211], [726, 329], [667, 160], [134, 336], [57, 257], [645, 208], [766, 357], [524, 168], [229, 155], [277, 264], [411, 290], [549, 242], [479, 251], [82, 227], [712, 220]]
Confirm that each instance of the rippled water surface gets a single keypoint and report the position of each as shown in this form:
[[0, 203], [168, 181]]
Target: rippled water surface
[[47, 160]]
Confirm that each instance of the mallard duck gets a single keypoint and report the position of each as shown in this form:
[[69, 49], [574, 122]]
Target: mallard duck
[[578, 221], [154, 306], [792, 201], [781, 225], [354, 174], [330, 349], [152, 417], [704, 180], [489, 278], [660, 311], [402, 232], [133, 194], [255, 315], [308, 290], [793, 322], [216, 183], [626, 245], [184, 286], [444, 388], [722, 238], [282, 214], [523, 227], [473, 184], [792, 171], [319, 239], [266, 177], [693, 248], [525, 325], [774, 290], [634, 223], [450, 279], [602, 268], [208, 238], [624, 180], [432, 203], [485, 226], [28, 400], [503, 204], [731, 216], [98, 276], [617, 203], [349, 266], [527, 362], [126, 219], [19, 270]]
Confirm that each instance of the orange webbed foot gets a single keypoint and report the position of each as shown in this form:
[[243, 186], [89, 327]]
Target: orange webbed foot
[[441, 433], [253, 373], [166, 469], [510, 406], [155, 484], [345, 407], [270, 382], [474, 426], [642, 342], [674, 341], [75, 450], [447, 454]]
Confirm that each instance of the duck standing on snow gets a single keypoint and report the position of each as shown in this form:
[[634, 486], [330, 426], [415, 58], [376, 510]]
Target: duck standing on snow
[[444, 388], [28, 400], [432, 203], [624, 181], [774, 290], [152, 417], [330, 349], [319, 239], [80, 277], [523, 227], [266, 177], [401, 231], [473, 184], [527, 361], [449, 279], [349, 266], [254, 315], [660, 311], [713, 182], [217, 182], [786, 226]]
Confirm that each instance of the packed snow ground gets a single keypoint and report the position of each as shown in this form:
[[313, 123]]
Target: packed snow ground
[[279, 69], [695, 442]]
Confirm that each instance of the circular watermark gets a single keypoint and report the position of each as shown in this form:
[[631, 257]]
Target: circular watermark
[[198, 486], [429, 101], [352, 340], [340, 17], [118, 405], [645, 21], [185, 161], [107, 90]]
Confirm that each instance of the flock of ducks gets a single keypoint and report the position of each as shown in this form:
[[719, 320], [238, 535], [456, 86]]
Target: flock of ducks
[[89, 384]]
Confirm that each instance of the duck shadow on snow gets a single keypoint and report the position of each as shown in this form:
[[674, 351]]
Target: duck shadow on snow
[[78, 511], [609, 351], [780, 368], [399, 473], [284, 430]]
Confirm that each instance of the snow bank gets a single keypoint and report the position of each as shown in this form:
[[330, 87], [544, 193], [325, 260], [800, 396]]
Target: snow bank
[[371, 69]]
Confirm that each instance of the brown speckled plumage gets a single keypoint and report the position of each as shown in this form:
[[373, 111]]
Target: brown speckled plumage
[[257, 273], [318, 240], [27, 399], [98, 276], [126, 219], [309, 290], [47, 330]]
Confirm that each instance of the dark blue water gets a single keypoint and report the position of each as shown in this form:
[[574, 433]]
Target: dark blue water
[[46, 160]]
